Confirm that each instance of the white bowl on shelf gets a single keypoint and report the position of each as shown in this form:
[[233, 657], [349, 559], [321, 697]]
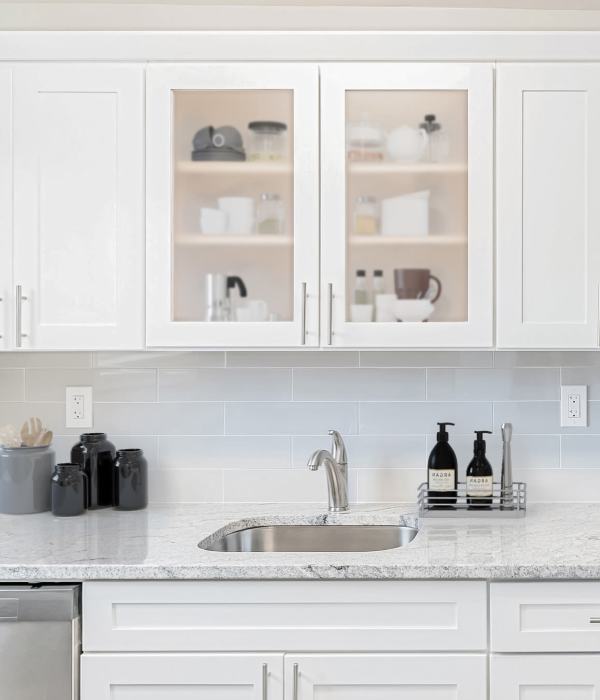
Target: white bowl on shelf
[[413, 310]]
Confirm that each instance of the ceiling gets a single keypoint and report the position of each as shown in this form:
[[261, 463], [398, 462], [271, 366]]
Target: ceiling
[[568, 5]]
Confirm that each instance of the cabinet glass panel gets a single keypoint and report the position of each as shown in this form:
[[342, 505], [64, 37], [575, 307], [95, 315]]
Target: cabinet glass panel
[[406, 207], [233, 245]]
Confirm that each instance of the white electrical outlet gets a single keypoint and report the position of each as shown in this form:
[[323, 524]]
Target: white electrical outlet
[[79, 407], [573, 406]]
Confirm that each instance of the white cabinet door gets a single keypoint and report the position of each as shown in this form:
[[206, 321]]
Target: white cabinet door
[[78, 205], [232, 205], [548, 221], [181, 677], [5, 205], [549, 677], [385, 677], [413, 204]]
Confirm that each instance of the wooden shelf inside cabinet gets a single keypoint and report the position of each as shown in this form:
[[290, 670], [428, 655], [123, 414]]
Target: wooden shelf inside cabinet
[[386, 168], [236, 168], [227, 240], [391, 241]]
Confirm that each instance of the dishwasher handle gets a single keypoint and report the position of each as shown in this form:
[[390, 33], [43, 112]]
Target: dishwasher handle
[[39, 604]]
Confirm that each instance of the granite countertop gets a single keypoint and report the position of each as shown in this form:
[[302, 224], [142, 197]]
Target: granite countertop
[[553, 541]]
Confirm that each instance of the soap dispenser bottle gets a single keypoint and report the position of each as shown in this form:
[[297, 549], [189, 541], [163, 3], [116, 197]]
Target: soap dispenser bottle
[[480, 476], [442, 469]]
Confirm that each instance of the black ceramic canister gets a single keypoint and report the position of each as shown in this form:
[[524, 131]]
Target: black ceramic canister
[[96, 455], [130, 480], [69, 489]]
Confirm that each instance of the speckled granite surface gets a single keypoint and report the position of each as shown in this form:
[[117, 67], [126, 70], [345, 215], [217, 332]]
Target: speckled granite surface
[[553, 541]]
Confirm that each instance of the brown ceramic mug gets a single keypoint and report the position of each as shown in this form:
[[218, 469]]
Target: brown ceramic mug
[[415, 284]]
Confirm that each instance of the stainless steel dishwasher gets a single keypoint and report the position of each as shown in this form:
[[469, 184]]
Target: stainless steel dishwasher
[[40, 642]]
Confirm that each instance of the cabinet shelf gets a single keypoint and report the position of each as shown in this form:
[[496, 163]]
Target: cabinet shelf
[[227, 240], [386, 168], [235, 168], [391, 241]]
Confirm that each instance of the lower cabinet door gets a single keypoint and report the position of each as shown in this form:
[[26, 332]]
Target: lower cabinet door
[[385, 677], [545, 677], [182, 677]]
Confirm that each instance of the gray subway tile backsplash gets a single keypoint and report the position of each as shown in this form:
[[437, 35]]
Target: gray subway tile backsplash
[[239, 426]]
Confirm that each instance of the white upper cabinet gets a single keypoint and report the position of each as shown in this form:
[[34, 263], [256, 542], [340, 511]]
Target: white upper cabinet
[[78, 206], [232, 205], [548, 209], [407, 205], [5, 204]]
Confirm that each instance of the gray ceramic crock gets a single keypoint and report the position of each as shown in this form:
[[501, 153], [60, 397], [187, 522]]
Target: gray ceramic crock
[[25, 474]]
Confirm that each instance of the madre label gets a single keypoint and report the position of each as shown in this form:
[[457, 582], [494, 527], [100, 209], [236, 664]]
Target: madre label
[[442, 480], [479, 486]]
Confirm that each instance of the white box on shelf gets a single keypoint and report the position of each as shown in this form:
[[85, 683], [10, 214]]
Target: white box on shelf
[[406, 215]]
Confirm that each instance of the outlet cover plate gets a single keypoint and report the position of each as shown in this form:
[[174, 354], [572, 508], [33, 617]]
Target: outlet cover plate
[[78, 401], [573, 406]]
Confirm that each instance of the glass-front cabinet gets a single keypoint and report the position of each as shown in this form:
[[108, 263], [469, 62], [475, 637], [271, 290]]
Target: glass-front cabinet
[[407, 197], [233, 205]]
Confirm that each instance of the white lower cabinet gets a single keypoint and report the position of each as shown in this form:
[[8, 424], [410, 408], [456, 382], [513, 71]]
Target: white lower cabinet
[[385, 677], [182, 677], [545, 677]]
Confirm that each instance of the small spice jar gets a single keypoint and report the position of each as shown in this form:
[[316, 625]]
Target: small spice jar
[[130, 480], [95, 454], [366, 216], [269, 214], [69, 490]]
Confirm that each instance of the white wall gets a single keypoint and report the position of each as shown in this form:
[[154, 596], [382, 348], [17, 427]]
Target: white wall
[[240, 426]]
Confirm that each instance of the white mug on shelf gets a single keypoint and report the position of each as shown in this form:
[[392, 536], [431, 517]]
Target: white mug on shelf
[[240, 214], [252, 310], [384, 308], [413, 310], [212, 221], [406, 144], [361, 313]]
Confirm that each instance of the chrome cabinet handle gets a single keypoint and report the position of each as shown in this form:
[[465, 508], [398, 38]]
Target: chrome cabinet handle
[[265, 674], [295, 683], [303, 315], [330, 314], [594, 620], [19, 315]]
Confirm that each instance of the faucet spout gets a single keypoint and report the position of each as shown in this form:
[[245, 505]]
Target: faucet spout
[[337, 478]]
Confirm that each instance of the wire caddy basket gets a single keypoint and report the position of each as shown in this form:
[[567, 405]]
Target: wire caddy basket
[[505, 503]]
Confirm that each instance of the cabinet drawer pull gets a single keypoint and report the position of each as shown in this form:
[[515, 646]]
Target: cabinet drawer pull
[[330, 314], [295, 684], [595, 620], [19, 316], [265, 674], [303, 316]]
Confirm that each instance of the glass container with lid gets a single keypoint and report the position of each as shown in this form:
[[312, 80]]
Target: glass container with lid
[[366, 216], [267, 140]]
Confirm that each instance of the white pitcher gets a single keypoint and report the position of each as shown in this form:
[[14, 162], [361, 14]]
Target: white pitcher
[[407, 144]]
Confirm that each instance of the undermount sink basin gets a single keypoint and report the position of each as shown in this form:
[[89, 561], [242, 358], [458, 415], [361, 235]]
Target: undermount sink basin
[[314, 538]]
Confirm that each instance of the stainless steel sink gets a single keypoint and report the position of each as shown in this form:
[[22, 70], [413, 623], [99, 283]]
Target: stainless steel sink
[[314, 538]]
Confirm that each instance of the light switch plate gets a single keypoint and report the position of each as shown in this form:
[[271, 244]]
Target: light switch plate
[[78, 401], [573, 406]]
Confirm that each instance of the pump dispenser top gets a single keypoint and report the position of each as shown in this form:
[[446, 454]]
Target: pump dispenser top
[[442, 435], [479, 443]]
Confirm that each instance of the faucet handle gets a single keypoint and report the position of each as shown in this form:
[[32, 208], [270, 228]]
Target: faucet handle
[[338, 449]]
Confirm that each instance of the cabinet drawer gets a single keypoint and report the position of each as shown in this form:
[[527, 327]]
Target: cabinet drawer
[[290, 615], [545, 616]]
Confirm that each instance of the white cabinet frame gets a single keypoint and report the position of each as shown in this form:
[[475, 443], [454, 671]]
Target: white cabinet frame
[[5, 207], [162, 80], [477, 79]]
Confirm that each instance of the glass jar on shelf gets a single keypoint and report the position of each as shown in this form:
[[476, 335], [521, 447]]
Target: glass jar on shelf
[[267, 140], [366, 216], [270, 215], [439, 145], [365, 141]]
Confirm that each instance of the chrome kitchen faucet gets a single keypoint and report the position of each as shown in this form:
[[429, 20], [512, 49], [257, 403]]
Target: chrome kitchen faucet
[[336, 469]]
